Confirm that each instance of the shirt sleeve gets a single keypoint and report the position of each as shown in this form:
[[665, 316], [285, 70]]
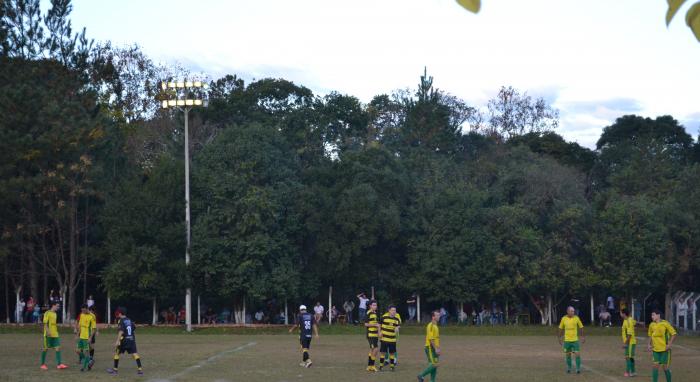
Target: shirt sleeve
[[670, 328], [561, 324]]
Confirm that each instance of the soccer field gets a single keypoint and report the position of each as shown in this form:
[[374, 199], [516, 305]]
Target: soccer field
[[337, 357]]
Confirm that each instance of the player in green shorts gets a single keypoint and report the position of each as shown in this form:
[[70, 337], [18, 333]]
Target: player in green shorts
[[629, 341], [569, 328], [661, 337], [51, 338], [432, 348], [85, 330]]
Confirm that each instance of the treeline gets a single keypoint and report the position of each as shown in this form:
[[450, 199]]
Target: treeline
[[293, 192]]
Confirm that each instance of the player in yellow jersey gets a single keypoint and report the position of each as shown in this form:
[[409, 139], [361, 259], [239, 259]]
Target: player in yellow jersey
[[432, 348], [661, 337], [389, 327], [84, 330], [629, 341], [51, 338], [569, 329], [94, 335], [373, 335]]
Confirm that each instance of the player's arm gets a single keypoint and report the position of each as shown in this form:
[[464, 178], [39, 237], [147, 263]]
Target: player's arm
[[292, 328], [120, 333], [649, 343], [580, 333], [670, 342], [432, 344], [315, 326]]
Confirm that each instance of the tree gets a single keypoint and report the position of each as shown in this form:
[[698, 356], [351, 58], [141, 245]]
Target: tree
[[512, 114]]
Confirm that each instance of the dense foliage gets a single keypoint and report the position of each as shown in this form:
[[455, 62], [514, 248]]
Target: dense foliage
[[294, 192]]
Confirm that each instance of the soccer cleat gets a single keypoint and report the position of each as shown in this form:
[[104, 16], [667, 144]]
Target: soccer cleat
[[140, 372], [91, 363], [420, 379], [112, 371], [44, 367], [308, 364], [578, 371], [626, 374], [61, 367], [372, 369], [303, 364], [82, 370]]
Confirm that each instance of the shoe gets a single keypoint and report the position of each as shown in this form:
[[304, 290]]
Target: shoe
[[44, 367], [61, 367], [91, 363], [633, 374], [112, 371], [420, 379], [372, 369], [308, 364], [578, 371], [626, 374], [393, 368], [82, 370], [568, 371], [140, 372], [303, 364]]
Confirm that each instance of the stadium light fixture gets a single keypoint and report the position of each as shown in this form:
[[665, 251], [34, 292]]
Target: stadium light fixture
[[184, 95]]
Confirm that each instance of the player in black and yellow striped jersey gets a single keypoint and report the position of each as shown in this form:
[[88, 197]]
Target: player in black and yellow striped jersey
[[390, 324], [372, 325]]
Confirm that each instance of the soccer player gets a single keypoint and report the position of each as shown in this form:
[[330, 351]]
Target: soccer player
[[432, 348], [51, 338], [569, 328], [126, 342], [629, 341], [389, 326], [373, 334], [307, 323], [84, 329], [92, 338], [661, 337]]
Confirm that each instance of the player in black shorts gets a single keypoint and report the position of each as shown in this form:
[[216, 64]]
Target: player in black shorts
[[373, 335], [126, 341], [307, 324]]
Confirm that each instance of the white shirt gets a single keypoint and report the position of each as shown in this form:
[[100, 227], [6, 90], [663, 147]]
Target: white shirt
[[611, 302], [363, 302], [90, 303], [318, 309], [683, 308]]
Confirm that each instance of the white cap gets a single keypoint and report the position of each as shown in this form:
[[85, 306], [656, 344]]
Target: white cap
[[302, 307]]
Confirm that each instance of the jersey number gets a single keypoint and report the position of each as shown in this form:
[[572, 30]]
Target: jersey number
[[128, 330], [307, 325]]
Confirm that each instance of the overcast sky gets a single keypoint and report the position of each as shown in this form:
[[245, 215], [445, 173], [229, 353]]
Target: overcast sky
[[594, 60]]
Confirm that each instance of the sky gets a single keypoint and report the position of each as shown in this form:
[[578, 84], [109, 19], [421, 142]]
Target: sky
[[593, 60]]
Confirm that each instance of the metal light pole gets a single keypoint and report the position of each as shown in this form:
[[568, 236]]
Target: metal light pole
[[185, 95]]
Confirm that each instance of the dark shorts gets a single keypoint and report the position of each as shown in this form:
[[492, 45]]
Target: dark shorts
[[373, 342], [92, 339], [388, 347], [305, 343], [127, 347]]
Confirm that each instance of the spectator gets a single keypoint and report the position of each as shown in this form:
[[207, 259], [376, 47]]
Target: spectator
[[210, 316], [637, 310], [463, 317], [333, 312], [281, 317], [444, 316], [363, 306], [36, 314], [259, 316], [412, 307], [29, 309], [611, 305], [19, 311], [90, 302], [348, 306], [605, 318], [318, 312]]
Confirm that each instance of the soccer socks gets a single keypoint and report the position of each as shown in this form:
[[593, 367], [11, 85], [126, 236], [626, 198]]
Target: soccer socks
[[433, 374], [428, 370], [43, 357], [392, 360], [58, 357], [305, 356], [92, 353], [116, 362], [655, 375], [370, 362], [633, 369], [86, 360], [138, 361], [568, 361], [578, 363], [668, 375]]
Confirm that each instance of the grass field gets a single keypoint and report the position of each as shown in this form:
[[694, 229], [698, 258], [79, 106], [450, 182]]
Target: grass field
[[469, 354]]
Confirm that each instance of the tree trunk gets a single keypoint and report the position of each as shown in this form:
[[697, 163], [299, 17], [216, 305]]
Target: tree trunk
[[33, 275], [7, 295], [85, 250], [549, 309], [72, 261], [667, 306]]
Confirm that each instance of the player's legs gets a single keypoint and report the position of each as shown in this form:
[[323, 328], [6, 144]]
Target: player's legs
[[382, 354], [138, 362], [432, 365], [371, 357], [392, 355], [577, 355], [567, 355], [115, 368]]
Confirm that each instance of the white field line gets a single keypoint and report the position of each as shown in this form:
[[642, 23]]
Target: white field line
[[675, 345], [594, 371], [205, 362]]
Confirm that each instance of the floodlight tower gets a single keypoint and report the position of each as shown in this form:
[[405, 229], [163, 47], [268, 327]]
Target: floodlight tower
[[185, 95]]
